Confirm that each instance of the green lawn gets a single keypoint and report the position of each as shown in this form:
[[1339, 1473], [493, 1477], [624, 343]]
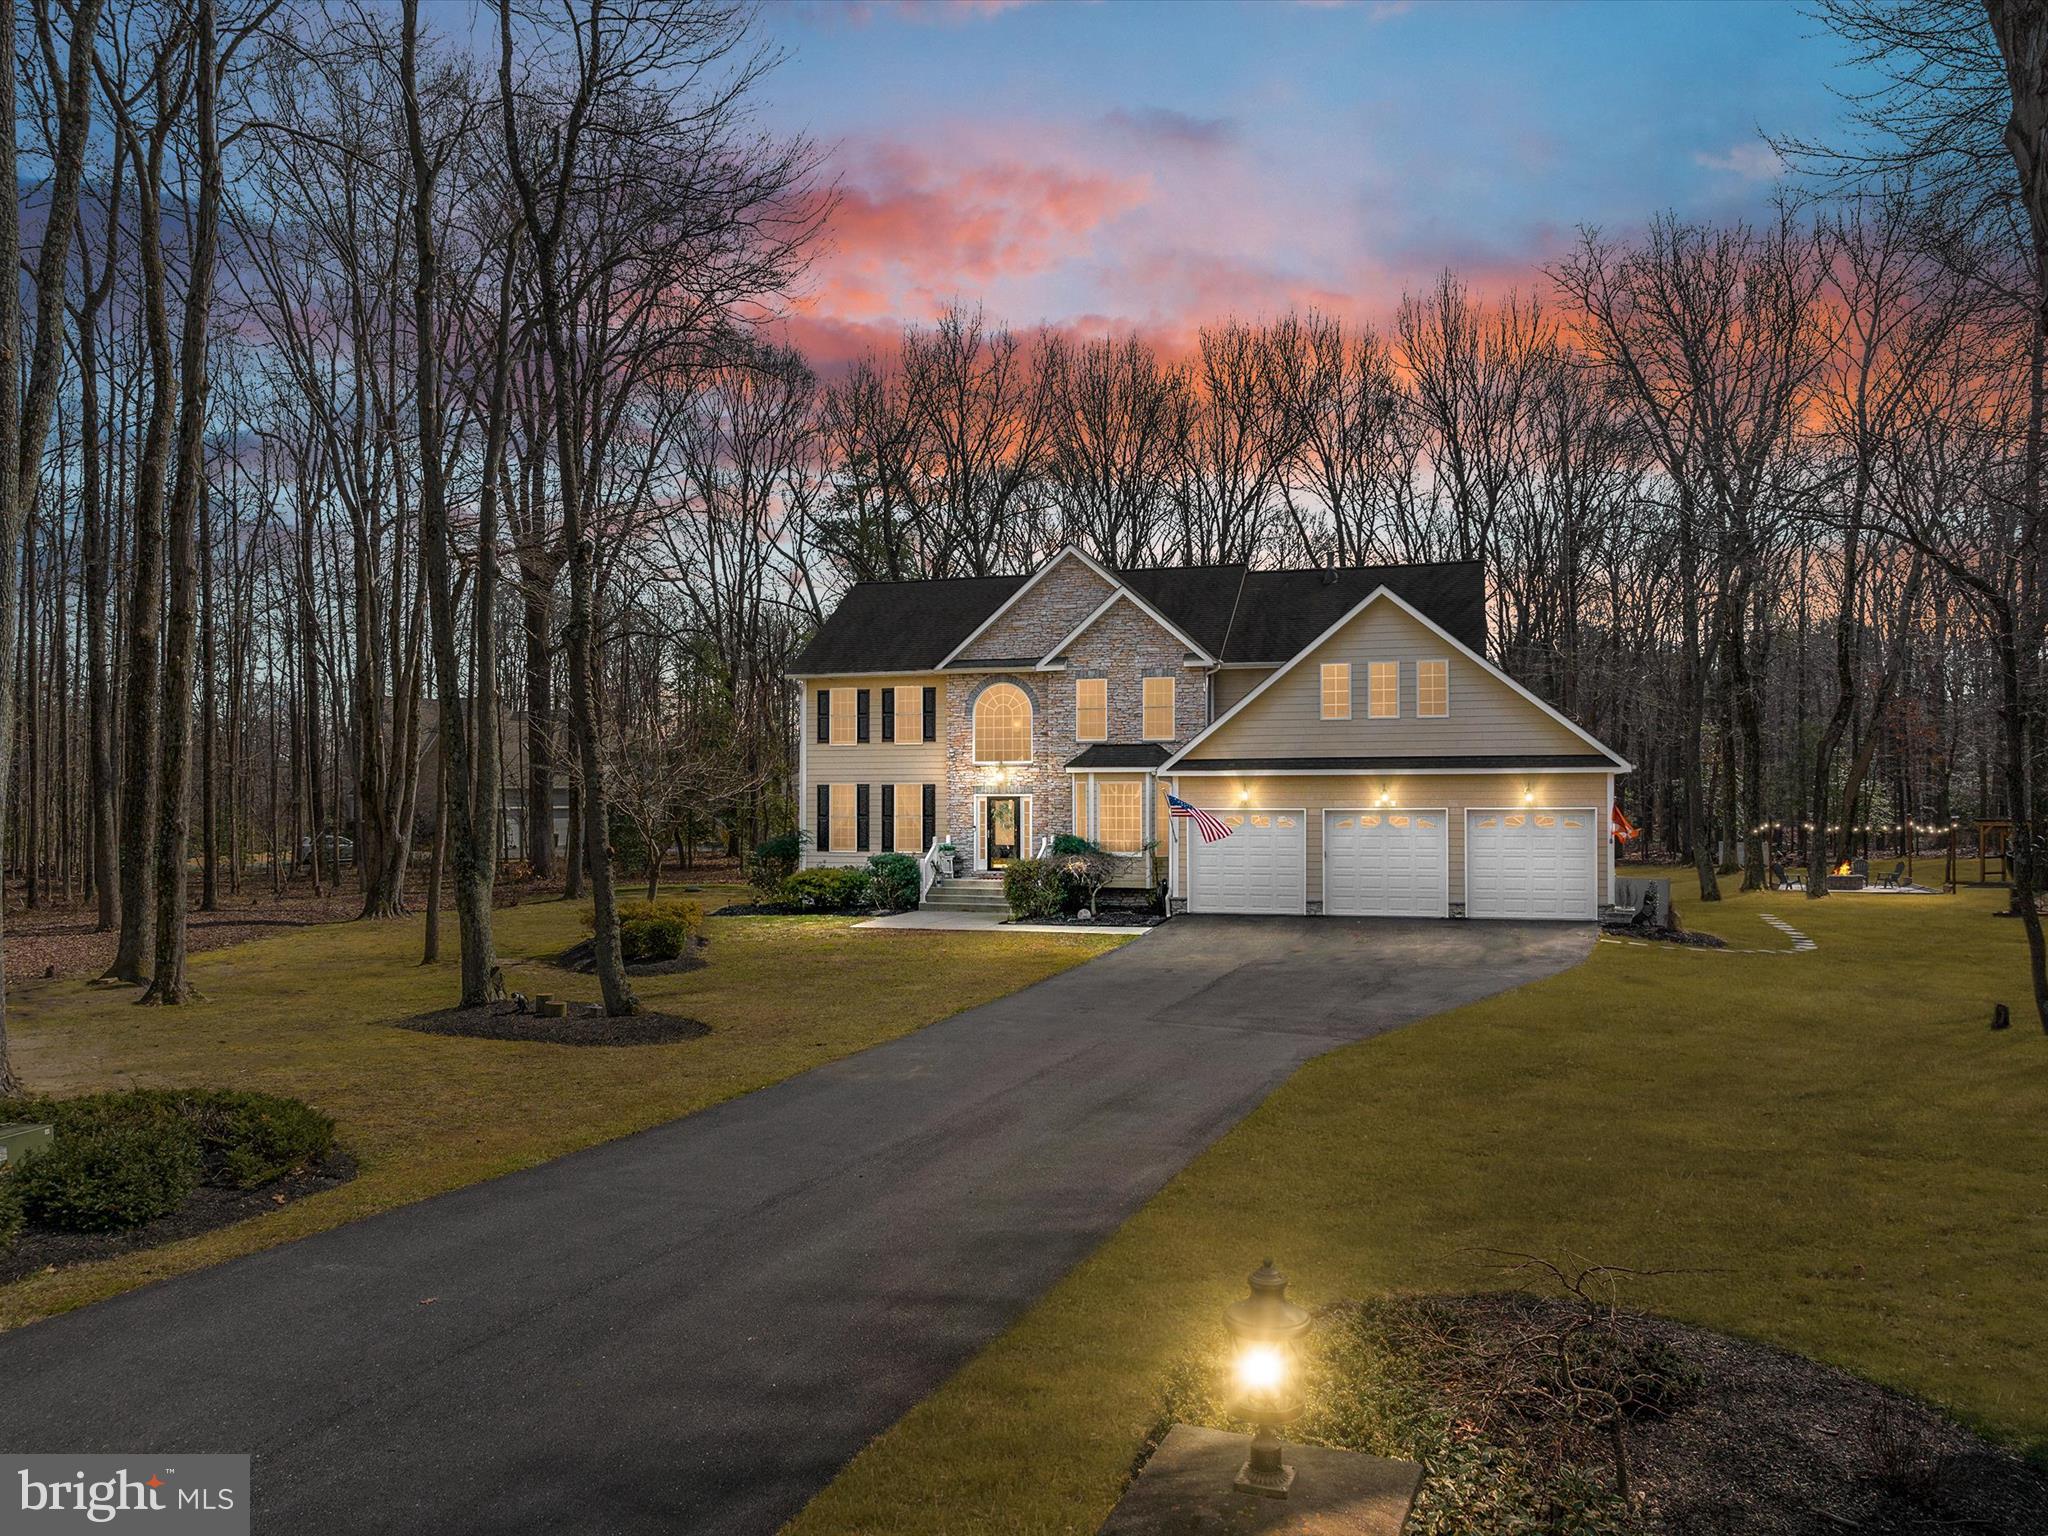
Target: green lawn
[[1833, 1148], [309, 1013]]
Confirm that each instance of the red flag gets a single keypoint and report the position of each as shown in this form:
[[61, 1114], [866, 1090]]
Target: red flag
[[1624, 829]]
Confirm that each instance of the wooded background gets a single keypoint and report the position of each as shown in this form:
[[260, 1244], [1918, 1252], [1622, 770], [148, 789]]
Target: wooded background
[[398, 433]]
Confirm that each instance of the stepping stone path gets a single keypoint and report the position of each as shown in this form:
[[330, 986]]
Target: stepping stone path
[[1799, 940]]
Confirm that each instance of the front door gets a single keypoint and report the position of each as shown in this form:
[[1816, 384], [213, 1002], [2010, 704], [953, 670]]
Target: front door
[[1000, 829]]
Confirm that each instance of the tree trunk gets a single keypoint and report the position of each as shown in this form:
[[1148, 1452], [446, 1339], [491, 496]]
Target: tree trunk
[[169, 985]]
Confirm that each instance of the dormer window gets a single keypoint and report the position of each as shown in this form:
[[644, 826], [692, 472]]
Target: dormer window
[[1433, 689], [1002, 725]]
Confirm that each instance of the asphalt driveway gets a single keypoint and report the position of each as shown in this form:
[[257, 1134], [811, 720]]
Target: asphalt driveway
[[694, 1328]]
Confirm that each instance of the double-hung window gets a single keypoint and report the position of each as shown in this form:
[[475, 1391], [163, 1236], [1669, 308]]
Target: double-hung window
[[842, 718], [1091, 709], [1120, 815], [1383, 698], [1336, 690], [1433, 689], [1158, 722]]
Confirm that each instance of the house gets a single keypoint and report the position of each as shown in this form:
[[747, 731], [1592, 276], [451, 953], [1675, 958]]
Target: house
[[1344, 726]]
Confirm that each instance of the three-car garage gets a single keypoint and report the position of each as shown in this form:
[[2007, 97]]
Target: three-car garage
[[1379, 859]]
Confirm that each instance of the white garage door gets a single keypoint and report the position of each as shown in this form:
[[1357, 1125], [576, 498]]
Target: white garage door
[[1382, 863], [1534, 862], [1261, 867]]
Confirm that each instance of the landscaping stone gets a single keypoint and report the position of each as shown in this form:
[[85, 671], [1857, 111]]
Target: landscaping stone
[[1185, 1490]]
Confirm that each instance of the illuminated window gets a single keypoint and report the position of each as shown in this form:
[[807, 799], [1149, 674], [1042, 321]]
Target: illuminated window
[[1336, 690], [842, 722], [910, 818], [1368, 822], [1233, 822], [1397, 821], [1159, 709], [1344, 824], [1002, 725], [1516, 821], [843, 833], [1091, 709], [1573, 824], [910, 714], [1286, 821], [1120, 815], [1261, 821], [1383, 678], [1425, 823], [1433, 689], [1546, 822], [1488, 823]]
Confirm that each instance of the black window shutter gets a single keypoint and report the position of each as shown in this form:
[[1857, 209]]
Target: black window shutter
[[824, 715], [860, 817], [888, 813], [860, 714], [824, 837], [888, 716], [931, 719], [931, 801]]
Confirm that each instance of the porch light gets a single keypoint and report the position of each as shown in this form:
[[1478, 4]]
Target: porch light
[[1244, 794], [1266, 1326], [1528, 795]]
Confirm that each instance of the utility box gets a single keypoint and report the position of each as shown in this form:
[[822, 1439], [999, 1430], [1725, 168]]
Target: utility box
[[20, 1140], [1649, 899]]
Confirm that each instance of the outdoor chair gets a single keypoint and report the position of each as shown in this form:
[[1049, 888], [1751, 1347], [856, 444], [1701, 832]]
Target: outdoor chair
[[1780, 881], [1897, 877]]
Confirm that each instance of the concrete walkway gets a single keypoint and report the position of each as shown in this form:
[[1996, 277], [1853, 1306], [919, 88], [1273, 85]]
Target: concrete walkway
[[938, 918], [692, 1329]]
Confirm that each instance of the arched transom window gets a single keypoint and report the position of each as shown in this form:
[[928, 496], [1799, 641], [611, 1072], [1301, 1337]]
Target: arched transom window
[[1002, 725]]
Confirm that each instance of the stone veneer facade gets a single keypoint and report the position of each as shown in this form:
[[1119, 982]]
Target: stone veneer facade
[[1125, 646]]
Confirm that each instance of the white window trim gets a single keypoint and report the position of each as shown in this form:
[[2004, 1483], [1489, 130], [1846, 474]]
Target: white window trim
[[1433, 661], [1322, 695], [1371, 708]]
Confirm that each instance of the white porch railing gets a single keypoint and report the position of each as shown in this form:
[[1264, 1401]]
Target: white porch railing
[[928, 871]]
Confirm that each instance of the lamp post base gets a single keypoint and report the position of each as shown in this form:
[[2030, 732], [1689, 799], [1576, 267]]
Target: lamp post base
[[1264, 1472], [1272, 1485]]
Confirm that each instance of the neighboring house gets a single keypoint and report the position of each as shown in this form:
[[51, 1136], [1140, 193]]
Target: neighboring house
[[1344, 725]]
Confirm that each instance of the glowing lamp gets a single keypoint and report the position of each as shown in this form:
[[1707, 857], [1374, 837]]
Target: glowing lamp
[[1265, 1327]]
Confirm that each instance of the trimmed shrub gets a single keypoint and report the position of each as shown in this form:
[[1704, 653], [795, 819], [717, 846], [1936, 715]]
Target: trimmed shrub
[[895, 880], [662, 929], [10, 1211], [1066, 846], [1033, 888], [831, 888], [247, 1139], [105, 1174], [119, 1154], [775, 861]]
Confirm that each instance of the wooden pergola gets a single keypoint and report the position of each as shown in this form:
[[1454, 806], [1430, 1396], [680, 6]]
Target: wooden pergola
[[1994, 842]]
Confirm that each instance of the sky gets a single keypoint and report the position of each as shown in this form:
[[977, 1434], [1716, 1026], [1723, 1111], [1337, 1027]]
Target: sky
[[1109, 167]]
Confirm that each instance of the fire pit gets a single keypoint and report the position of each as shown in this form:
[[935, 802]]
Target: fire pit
[[1844, 877]]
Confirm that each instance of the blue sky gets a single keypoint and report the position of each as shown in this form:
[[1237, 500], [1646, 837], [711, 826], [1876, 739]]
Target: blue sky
[[1107, 166]]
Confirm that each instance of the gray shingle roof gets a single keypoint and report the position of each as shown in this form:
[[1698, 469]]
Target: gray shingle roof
[[1121, 754], [1232, 612], [1477, 763]]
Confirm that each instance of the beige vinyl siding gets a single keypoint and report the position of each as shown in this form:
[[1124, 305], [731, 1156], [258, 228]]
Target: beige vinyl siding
[[1486, 715], [1453, 794], [876, 761], [1233, 683], [907, 761]]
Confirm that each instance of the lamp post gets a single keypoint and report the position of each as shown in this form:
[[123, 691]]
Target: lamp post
[[1265, 1326]]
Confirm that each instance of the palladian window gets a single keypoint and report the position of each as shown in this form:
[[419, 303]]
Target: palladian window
[[1002, 725]]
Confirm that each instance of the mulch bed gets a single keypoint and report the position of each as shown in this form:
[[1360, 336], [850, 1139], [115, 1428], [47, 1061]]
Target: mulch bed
[[582, 959], [203, 1211], [1766, 1443], [1651, 933], [584, 1025]]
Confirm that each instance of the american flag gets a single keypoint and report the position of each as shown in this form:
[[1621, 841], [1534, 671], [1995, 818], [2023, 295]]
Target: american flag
[[1212, 830]]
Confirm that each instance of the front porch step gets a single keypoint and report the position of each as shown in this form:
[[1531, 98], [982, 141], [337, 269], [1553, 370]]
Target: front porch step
[[969, 895]]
